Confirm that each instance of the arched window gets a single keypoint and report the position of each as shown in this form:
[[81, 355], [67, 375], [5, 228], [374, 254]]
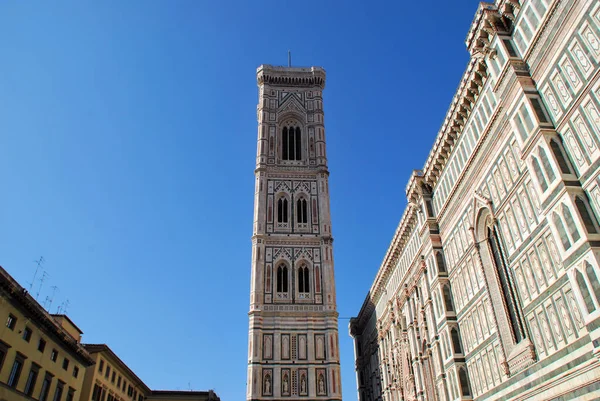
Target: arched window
[[570, 223], [507, 293], [291, 143], [448, 299], [585, 215], [593, 279], [560, 157], [302, 211], [282, 210], [465, 388], [303, 279], [538, 173], [440, 262], [585, 292], [562, 233], [456, 341], [282, 278], [546, 164]]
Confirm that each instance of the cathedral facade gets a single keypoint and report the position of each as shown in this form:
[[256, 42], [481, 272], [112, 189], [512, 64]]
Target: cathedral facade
[[293, 350], [490, 288]]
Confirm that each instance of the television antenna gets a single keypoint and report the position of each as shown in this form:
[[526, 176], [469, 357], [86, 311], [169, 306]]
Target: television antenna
[[39, 264]]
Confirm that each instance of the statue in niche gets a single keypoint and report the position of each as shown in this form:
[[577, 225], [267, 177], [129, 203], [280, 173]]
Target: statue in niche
[[303, 384], [285, 384], [267, 388], [321, 384]]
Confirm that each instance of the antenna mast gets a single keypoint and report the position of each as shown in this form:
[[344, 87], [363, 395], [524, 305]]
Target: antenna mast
[[289, 58], [42, 279], [39, 263]]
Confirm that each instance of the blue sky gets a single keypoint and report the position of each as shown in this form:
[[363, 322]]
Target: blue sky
[[127, 150]]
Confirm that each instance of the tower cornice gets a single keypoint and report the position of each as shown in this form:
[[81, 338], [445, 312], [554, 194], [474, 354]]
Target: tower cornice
[[291, 76]]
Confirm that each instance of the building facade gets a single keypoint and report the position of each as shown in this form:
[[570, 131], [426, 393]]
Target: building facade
[[41, 357], [293, 341], [490, 288]]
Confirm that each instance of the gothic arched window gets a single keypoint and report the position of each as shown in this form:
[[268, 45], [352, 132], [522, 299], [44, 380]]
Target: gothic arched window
[[505, 287], [546, 164], [562, 233], [585, 292], [593, 279], [448, 299], [291, 143], [282, 278], [302, 211], [456, 341], [303, 279], [282, 210], [439, 258], [560, 157], [584, 213], [570, 223], [537, 169], [465, 388]]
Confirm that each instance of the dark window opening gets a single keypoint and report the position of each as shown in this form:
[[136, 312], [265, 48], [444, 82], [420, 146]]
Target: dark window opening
[[27, 334], [11, 322], [282, 279], [510, 48], [585, 215], [31, 380], [303, 279], [591, 274], [507, 293], [448, 299], [15, 372], [465, 388], [41, 345], [302, 211], [291, 143], [538, 109], [456, 344], [46, 388], [560, 157], [282, 210], [439, 258]]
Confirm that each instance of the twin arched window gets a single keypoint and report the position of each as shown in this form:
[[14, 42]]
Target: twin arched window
[[282, 210], [291, 143], [303, 279], [302, 210], [282, 278]]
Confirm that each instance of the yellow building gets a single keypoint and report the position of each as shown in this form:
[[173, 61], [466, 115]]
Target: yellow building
[[41, 357], [110, 379]]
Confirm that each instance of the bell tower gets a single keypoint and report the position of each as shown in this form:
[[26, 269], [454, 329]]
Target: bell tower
[[293, 350]]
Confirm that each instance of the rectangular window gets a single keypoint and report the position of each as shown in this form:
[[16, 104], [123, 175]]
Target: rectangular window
[[96, 393], [70, 394], [41, 345], [75, 371], [65, 364], [11, 322], [119, 381], [100, 366], [27, 334], [114, 377], [54, 355], [3, 351], [526, 118], [59, 391], [15, 372], [46, 387], [510, 48], [539, 111], [107, 373], [31, 379]]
